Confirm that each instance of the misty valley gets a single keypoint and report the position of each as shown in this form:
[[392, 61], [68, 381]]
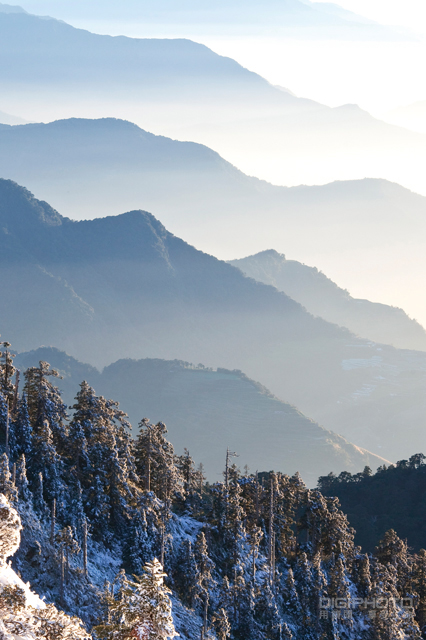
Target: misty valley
[[213, 325]]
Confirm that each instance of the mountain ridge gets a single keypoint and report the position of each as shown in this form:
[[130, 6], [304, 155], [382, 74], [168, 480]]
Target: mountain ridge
[[323, 298], [208, 410], [106, 289], [88, 168]]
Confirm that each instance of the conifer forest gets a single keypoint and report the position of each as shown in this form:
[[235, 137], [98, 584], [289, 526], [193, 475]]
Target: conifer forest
[[108, 537]]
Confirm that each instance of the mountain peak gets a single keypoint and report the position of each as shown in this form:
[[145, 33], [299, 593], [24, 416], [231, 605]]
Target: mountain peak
[[10, 8], [18, 206]]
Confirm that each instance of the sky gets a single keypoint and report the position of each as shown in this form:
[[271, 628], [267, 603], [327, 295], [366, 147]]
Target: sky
[[378, 76], [409, 13]]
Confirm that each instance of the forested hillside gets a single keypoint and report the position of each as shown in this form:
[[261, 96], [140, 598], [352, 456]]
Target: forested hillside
[[208, 409], [255, 556], [392, 498]]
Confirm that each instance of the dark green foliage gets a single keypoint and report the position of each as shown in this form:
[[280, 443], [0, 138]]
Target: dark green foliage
[[392, 498]]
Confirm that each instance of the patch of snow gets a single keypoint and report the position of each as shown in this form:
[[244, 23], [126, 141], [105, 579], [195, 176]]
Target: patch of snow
[[8, 578], [361, 363]]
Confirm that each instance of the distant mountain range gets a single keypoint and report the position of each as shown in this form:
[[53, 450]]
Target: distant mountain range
[[283, 17], [50, 70], [6, 118], [323, 298], [208, 411], [366, 235], [10, 8], [124, 286]]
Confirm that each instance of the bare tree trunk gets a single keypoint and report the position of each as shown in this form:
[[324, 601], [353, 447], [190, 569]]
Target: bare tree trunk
[[7, 429], [148, 464], [206, 607], [53, 522], [14, 474], [271, 533], [15, 397], [67, 564], [85, 547], [257, 498], [62, 576]]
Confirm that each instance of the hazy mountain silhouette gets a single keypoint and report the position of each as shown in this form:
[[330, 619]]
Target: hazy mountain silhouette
[[6, 118], [50, 70], [285, 16], [87, 168], [207, 411], [10, 8], [125, 287], [323, 298]]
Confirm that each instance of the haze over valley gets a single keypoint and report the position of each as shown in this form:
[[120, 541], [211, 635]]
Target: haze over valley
[[213, 320]]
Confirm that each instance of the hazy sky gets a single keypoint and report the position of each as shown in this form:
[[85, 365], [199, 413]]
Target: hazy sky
[[409, 13], [379, 76]]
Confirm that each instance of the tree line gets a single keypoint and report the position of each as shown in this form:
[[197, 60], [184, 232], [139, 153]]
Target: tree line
[[255, 555]]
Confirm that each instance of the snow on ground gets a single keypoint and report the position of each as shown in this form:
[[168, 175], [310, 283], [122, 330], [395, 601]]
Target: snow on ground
[[8, 578]]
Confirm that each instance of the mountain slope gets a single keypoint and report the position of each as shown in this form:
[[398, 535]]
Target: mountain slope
[[210, 410], [323, 298], [353, 231], [51, 70], [141, 292]]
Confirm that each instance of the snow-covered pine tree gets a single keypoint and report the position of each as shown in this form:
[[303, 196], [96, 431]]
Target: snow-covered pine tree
[[419, 584], [46, 460], [204, 579], [7, 371], [102, 460], [221, 624], [141, 609], [22, 480], [392, 550], [142, 540], [7, 486], [186, 575], [155, 461], [45, 404], [191, 482], [23, 432], [39, 503]]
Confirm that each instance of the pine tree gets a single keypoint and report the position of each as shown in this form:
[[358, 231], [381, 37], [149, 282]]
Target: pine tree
[[7, 371], [221, 624], [141, 609], [23, 432], [101, 458], [40, 506], [140, 541], [204, 579], [392, 550], [22, 480], [191, 481], [186, 577], [66, 539], [7, 487], [45, 403], [46, 460], [419, 583], [155, 460], [267, 612]]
